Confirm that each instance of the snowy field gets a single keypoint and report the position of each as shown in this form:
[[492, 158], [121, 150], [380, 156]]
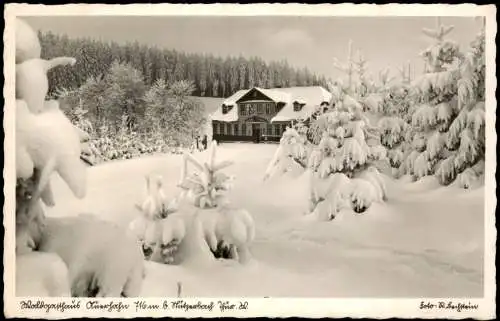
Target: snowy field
[[426, 241]]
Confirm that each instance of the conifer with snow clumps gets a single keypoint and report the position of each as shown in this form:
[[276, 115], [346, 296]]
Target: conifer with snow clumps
[[346, 153], [449, 119], [395, 124]]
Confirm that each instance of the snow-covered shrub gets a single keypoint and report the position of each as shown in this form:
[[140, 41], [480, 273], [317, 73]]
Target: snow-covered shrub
[[41, 274], [225, 229], [200, 223], [49, 142], [87, 257], [102, 259], [158, 227], [163, 118], [449, 118]]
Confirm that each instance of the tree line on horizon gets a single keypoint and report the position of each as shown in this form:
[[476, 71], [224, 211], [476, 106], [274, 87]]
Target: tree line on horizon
[[212, 76]]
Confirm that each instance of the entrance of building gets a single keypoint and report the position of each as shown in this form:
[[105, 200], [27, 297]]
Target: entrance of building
[[257, 124], [256, 132]]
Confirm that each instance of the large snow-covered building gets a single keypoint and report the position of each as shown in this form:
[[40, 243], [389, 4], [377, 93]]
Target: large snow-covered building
[[263, 114]]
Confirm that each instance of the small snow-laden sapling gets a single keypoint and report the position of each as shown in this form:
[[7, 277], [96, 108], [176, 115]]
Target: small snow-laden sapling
[[158, 229], [227, 230]]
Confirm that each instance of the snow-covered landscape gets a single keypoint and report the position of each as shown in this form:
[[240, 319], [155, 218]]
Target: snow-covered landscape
[[161, 167], [425, 241]]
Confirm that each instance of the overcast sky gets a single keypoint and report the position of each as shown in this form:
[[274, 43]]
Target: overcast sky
[[303, 41]]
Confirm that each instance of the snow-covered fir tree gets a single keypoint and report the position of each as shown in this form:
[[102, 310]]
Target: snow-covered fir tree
[[363, 86], [395, 125], [449, 118], [345, 157]]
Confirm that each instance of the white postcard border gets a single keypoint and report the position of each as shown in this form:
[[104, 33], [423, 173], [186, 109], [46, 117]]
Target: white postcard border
[[275, 307]]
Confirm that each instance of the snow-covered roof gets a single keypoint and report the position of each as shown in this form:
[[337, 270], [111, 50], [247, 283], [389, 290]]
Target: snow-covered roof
[[235, 97], [277, 95], [231, 115], [311, 97]]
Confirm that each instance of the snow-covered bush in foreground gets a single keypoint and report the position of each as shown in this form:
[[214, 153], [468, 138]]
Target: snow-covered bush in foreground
[[102, 259], [227, 230], [159, 228], [200, 224], [449, 120], [42, 275], [59, 256]]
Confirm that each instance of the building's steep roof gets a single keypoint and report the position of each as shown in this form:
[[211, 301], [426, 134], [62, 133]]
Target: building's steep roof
[[235, 97], [276, 95], [311, 97]]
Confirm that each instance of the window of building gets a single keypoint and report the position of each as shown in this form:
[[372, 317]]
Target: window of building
[[215, 128], [269, 129], [243, 109], [297, 106], [268, 108], [243, 129], [235, 129], [260, 108], [225, 128]]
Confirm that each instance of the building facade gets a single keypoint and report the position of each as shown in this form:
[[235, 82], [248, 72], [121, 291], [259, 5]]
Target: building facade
[[259, 114]]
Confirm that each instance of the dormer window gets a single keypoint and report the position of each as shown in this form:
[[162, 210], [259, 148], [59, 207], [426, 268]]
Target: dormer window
[[226, 109], [297, 106], [324, 106]]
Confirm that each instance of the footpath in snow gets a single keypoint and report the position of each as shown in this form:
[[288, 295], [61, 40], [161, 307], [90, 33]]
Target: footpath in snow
[[426, 241]]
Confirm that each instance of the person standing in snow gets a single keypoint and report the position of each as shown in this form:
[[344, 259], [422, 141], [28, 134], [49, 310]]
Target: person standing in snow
[[197, 142], [204, 141]]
